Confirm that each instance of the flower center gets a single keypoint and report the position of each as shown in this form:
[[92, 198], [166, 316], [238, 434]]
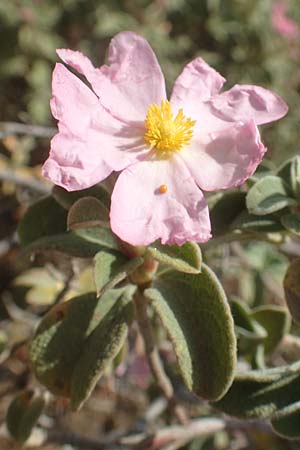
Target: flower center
[[164, 132]]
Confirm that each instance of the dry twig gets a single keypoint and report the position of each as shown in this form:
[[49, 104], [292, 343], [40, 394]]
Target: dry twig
[[25, 182], [11, 128]]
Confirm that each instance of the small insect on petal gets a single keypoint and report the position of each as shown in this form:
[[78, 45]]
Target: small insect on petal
[[163, 188]]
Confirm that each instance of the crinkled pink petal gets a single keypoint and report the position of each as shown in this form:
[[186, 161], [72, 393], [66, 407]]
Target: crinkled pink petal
[[198, 82], [72, 102], [91, 143], [196, 92], [67, 167], [78, 61], [130, 83], [226, 158], [243, 103], [141, 214]]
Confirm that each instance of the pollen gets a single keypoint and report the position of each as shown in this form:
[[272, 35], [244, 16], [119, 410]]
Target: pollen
[[163, 188], [167, 133]]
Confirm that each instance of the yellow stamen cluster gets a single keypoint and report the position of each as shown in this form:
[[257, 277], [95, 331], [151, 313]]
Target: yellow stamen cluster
[[165, 133]]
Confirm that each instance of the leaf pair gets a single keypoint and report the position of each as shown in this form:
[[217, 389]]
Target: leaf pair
[[264, 208], [78, 339], [272, 194]]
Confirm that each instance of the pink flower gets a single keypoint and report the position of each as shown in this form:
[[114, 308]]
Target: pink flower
[[282, 24], [165, 150]]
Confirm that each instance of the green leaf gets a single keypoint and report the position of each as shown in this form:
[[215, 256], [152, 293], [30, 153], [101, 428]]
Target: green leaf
[[295, 177], [242, 316], [284, 172], [287, 421], [292, 223], [258, 358], [195, 312], [98, 235], [250, 222], [262, 393], [291, 285], [58, 341], [276, 321], [60, 338], [23, 413], [83, 243], [225, 210], [185, 258], [87, 212], [101, 347], [42, 218], [267, 196], [112, 268], [290, 173], [266, 167], [67, 199], [249, 332]]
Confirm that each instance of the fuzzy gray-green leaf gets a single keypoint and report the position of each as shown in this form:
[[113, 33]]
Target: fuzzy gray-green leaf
[[23, 413], [185, 258], [286, 421], [292, 223], [291, 285], [195, 312], [262, 393], [295, 177], [61, 335], [87, 212], [101, 347], [226, 208], [67, 199], [250, 222], [249, 332], [112, 268], [276, 321], [42, 218], [83, 243], [267, 196]]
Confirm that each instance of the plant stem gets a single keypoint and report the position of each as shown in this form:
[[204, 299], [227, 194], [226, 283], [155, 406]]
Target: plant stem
[[154, 359]]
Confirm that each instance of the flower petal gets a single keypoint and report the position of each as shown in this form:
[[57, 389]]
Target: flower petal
[[226, 158], [243, 103], [197, 82], [67, 167], [91, 143], [81, 63], [72, 102], [141, 214], [130, 83]]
